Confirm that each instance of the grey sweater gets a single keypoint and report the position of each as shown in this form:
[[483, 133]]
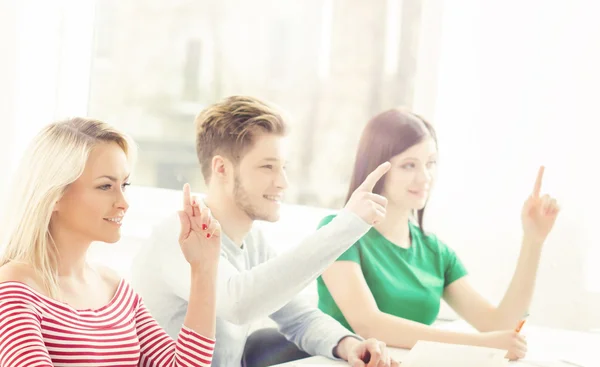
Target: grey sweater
[[253, 282]]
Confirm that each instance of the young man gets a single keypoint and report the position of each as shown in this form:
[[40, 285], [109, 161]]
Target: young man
[[240, 144]]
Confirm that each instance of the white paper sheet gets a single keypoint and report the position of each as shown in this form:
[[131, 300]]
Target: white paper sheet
[[433, 354]]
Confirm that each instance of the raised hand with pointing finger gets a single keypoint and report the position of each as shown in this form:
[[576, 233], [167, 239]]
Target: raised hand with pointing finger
[[368, 206], [200, 235], [539, 213]]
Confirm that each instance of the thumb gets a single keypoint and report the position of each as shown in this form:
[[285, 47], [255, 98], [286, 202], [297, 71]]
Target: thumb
[[217, 229], [356, 362], [186, 225]]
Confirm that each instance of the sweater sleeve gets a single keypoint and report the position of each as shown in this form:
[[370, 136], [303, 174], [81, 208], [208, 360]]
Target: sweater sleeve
[[243, 297], [309, 328]]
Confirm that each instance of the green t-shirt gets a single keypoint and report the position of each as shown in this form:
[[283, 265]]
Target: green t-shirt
[[407, 283]]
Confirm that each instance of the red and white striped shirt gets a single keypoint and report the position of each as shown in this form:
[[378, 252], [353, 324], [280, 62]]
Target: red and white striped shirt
[[37, 331]]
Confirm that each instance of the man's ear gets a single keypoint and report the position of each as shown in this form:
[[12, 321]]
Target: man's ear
[[221, 167]]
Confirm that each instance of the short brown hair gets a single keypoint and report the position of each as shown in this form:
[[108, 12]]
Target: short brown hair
[[385, 136], [228, 128]]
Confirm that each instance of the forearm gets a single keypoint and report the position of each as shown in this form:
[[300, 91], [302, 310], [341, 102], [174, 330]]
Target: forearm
[[201, 312], [517, 298], [267, 287], [403, 333], [309, 328]]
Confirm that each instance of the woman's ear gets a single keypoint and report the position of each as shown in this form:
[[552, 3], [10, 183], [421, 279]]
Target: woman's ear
[[56, 206]]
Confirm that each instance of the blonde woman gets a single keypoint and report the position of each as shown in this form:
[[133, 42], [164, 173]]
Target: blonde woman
[[58, 310]]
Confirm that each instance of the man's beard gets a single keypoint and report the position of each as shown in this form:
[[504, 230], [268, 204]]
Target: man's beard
[[242, 201]]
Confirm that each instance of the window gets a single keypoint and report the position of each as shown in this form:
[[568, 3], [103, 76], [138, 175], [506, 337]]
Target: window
[[191, 70], [161, 75]]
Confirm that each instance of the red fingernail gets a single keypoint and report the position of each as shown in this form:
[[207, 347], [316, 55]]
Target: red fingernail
[[204, 227], [208, 235]]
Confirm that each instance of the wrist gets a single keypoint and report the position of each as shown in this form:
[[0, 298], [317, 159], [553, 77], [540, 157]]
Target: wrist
[[344, 346], [532, 243], [478, 340], [533, 239], [203, 269]]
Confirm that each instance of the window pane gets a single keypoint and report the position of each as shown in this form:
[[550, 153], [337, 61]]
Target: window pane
[[327, 63]]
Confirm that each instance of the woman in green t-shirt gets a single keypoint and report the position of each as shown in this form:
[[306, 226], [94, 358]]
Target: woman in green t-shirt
[[390, 283]]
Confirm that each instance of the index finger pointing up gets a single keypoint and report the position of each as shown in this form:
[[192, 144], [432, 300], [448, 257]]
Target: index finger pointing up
[[538, 182], [187, 200], [373, 177]]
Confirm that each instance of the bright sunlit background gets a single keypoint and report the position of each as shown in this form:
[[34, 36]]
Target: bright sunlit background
[[508, 84]]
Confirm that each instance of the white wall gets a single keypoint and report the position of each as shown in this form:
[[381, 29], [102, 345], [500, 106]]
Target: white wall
[[7, 82], [518, 88]]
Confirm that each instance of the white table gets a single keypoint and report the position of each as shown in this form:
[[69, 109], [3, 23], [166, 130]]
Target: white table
[[547, 348]]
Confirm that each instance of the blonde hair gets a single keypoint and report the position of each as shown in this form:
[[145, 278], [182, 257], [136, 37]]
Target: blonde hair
[[55, 158], [228, 128]]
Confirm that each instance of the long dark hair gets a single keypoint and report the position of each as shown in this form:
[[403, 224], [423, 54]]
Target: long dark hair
[[385, 136]]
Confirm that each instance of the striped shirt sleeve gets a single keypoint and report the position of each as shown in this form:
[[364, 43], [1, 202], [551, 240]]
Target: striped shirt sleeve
[[21, 342], [159, 350]]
